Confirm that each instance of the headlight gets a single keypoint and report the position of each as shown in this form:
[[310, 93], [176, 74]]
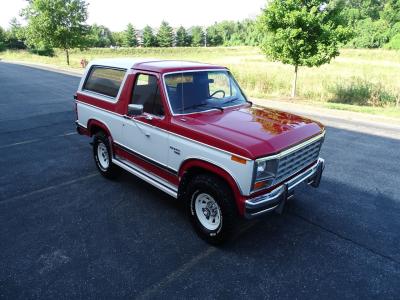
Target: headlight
[[264, 173]]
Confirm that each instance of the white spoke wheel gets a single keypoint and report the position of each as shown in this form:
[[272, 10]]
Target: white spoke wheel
[[211, 208], [207, 211], [103, 156]]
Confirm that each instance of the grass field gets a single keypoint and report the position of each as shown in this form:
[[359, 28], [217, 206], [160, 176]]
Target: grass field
[[358, 80]]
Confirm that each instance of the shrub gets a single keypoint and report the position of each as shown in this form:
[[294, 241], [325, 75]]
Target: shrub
[[370, 34], [43, 52], [362, 92], [394, 43]]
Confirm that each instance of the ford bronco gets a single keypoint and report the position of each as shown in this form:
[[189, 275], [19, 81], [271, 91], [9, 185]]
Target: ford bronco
[[188, 129]]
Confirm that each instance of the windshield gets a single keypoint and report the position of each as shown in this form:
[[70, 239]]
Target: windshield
[[198, 91]]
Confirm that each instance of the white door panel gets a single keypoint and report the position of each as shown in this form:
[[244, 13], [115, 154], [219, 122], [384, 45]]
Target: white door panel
[[146, 140]]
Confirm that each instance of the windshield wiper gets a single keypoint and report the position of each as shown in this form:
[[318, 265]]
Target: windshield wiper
[[203, 104], [230, 101]]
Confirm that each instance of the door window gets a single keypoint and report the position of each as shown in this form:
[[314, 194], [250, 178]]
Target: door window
[[147, 93]]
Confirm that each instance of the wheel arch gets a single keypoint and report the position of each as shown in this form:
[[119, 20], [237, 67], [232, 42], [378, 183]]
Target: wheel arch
[[95, 126], [193, 166]]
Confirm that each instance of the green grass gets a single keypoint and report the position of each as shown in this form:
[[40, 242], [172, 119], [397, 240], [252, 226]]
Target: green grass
[[392, 112], [358, 80]]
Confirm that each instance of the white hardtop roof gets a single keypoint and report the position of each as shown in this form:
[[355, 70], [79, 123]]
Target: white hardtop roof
[[124, 63]]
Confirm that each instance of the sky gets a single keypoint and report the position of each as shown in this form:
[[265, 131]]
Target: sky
[[116, 14]]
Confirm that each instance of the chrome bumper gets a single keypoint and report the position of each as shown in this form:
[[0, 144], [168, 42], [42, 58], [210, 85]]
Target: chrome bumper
[[275, 199]]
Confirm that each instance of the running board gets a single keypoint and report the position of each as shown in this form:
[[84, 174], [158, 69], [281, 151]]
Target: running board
[[154, 180]]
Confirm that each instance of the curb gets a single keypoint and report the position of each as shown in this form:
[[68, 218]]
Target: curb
[[71, 72]]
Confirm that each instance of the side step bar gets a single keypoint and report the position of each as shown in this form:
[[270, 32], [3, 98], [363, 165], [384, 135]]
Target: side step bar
[[154, 180]]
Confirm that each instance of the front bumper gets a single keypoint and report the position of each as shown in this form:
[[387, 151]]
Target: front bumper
[[275, 199]]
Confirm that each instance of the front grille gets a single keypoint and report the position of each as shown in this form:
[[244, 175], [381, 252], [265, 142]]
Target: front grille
[[297, 160]]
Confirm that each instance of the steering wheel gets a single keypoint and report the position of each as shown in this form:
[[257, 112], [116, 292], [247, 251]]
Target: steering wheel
[[218, 91]]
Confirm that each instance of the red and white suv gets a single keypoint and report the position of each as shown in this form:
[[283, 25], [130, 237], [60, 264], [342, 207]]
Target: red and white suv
[[188, 129]]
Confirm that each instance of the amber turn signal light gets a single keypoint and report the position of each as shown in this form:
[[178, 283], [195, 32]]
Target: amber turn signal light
[[238, 159], [259, 185]]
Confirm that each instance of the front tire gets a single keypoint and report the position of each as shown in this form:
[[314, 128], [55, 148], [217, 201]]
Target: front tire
[[211, 208], [102, 156]]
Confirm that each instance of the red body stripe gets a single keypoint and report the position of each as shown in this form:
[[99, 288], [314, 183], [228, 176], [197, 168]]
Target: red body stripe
[[171, 178]]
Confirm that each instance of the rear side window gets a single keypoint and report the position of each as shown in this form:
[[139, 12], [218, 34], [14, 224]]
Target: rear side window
[[105, 81]]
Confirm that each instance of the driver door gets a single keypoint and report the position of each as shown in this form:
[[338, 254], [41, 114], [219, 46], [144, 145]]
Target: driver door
[[142, 135]]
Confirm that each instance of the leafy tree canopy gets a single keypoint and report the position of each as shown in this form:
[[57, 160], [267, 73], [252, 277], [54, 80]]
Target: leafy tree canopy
[[303, 33], [57, 23], [370, 34], [197, 36], [391, 12], [2, 39], [118, 38], [99, 36], [214, 37]]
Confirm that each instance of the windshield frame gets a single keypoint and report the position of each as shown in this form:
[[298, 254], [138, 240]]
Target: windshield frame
[[200, 70]]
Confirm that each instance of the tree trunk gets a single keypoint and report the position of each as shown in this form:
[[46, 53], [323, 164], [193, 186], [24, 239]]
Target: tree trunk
[[67, 53], [294, 84]]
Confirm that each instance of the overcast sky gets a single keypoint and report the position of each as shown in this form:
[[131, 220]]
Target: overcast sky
[[116, 14]]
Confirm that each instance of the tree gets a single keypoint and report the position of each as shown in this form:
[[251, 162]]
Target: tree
[[118, 38], [226, 30], [370, 34], [99, 36], [252, 34], [2, 39], [303, 33], [197, 36], [165, 35], [182, 37], [15, 35], [214, 38], [148, 38], [58, 23], [130, 38], [391, 12]]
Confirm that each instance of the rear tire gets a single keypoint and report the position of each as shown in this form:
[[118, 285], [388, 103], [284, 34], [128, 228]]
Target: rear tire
[[211, 208], [102, 156]]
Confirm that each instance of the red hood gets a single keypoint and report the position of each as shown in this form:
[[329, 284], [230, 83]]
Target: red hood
[[247, 131]]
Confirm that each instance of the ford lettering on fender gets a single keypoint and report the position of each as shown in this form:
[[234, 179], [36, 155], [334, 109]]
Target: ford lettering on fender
[[188, 129]]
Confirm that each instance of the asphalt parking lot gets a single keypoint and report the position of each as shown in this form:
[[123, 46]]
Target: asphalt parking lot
[[66, 232]]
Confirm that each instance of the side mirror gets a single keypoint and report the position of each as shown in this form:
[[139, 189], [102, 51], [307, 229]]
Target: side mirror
[[135, 109]]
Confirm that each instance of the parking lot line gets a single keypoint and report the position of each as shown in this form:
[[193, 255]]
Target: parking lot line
[[150, 292], [35, 140], [49, 188]]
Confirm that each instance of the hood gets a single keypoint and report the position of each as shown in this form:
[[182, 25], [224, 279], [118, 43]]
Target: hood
[[252, 132]]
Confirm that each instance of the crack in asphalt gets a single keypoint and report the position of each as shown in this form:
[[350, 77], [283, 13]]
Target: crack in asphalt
[[344, 238]]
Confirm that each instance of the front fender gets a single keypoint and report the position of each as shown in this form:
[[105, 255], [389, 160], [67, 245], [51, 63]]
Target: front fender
[[198, 163]]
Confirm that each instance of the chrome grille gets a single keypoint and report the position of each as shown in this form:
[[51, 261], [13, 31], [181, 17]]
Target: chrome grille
[[297, 160]]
